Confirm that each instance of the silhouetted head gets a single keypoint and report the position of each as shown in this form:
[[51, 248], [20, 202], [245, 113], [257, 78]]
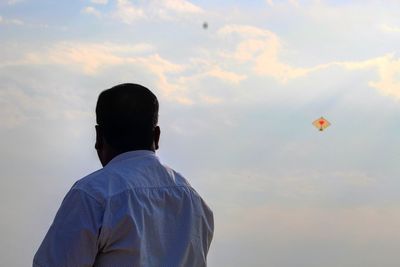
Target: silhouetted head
[[127, 117]]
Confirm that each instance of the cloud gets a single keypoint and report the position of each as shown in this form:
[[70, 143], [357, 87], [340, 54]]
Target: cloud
[[224, 75], [92, 11], [249, 51], [181, 6], [161, 67], [13, 2], [13, 107], [255, 51], [88, 57], [11, 21], [387, 68], [18, 106], [292, 2], [262, 49], [93, 58], [389, 76], [100, 2], [390, 29], [129, 13], [244, 31], [18, 22]]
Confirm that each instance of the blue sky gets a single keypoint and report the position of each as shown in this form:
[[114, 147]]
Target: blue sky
[[236, 105]]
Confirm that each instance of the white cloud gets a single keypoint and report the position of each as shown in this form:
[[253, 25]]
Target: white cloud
[[244, 31], [390, 29], [18, 107], [11, 21], [100, 2], [389, 76], [210, 99], [262, 48], [93, 58], [160, 67], [18, 22], [92, 11], [127, 12], [388, 70], [254, 51], [224, 75], [13, 2], [12, 108], [292, 2], [181, 6], [88, 57], [15, 21]]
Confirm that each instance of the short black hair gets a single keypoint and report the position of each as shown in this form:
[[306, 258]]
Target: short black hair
[[127, 115]]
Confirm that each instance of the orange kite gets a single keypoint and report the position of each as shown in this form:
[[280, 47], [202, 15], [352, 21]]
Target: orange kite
[[321, 123]]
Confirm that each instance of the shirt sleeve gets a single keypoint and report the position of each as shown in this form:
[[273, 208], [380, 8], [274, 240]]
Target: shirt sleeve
[[72, 240]]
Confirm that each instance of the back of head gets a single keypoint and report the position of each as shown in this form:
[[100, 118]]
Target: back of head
[[127, 115]]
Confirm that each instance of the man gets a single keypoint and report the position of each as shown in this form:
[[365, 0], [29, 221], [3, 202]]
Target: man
[[134, 211]]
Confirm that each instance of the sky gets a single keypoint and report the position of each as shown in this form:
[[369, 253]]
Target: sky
[[237, 102]]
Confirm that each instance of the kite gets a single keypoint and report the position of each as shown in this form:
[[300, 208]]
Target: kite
[[205, 25], [321, 123]]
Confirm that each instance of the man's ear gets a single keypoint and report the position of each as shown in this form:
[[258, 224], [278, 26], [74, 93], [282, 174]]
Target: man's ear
[[99, 138], [157, 133]]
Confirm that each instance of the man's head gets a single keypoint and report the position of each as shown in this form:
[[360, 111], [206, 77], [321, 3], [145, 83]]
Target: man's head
[[127, 116]]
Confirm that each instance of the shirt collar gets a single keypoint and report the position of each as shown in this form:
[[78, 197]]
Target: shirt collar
[[131, 155]]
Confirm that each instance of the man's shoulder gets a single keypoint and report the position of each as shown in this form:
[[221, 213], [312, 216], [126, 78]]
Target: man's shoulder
[[108, 181], [93, 184], [176, 176]]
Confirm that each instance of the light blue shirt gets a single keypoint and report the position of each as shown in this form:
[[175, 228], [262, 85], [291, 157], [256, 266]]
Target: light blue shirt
[[133, 212]]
